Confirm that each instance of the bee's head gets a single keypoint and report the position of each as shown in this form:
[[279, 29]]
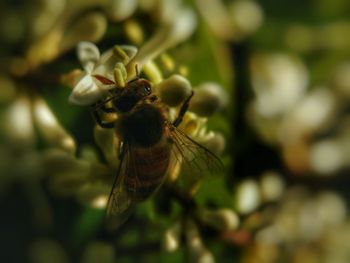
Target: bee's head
[[134, 91], [140, 87]]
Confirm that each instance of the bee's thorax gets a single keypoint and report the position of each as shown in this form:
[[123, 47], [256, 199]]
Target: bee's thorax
[[144, 126]]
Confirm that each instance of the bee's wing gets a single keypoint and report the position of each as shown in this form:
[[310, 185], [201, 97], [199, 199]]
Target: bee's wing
[[130, 186], [120, 202], [195, 159]]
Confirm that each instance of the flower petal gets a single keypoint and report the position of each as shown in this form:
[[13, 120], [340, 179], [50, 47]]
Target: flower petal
[[86, 92], [88, 55]]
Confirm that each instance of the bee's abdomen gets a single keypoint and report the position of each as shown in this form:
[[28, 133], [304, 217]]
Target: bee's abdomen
[[148, 171]]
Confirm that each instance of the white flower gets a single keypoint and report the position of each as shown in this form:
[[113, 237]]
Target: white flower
[[89, 88]]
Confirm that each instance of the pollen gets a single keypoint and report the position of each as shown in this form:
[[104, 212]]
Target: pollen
[[120, 54], [119, 75]]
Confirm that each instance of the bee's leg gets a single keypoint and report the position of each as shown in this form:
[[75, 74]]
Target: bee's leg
[[98, 119], [153, 98], [106, 109], [183, 110]]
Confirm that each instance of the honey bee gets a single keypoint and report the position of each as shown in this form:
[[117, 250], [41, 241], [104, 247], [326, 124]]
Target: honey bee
[[149, 145]]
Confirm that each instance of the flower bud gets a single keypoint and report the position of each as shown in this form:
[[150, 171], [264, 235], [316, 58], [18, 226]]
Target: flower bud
[[134, 32], [169, 35], [166, 11], [174, 90], [45, 16], [221, 219], [217, 17], [90, 27], [193, 237], [107, 141], [19, 127], [246, 17], [272, 186], [183, 26], [215, 143], [172, 237], [247, 196], [174, 171], [197, 251], [279, 82], [191, 124], [202, 255], [94, 194], [331, 208], [51, 129], [208, 98], [326, 157], [119, 10], [44, 49]]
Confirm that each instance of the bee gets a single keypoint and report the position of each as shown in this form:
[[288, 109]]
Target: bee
[[150, 144]]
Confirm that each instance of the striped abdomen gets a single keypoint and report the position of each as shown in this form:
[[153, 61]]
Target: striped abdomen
[[147, 169]]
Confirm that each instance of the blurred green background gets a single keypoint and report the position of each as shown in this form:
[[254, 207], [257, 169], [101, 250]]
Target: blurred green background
[[284, 69]]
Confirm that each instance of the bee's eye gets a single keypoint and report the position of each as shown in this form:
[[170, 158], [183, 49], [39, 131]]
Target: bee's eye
[[146, 89]]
